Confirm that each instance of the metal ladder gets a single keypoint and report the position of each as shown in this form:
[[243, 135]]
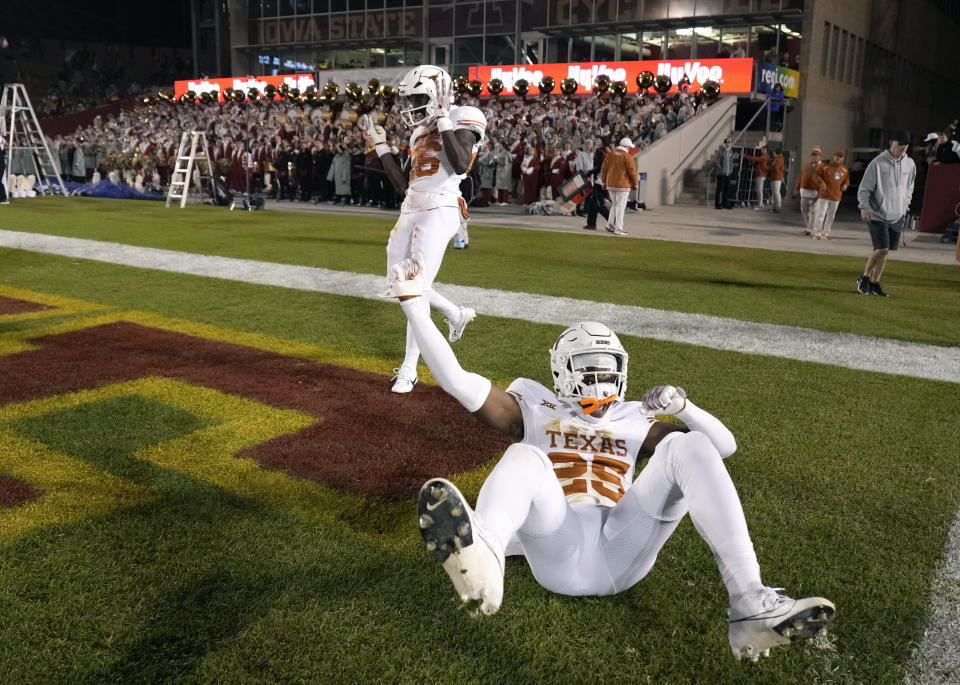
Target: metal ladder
[[21, 131], [193, 148]]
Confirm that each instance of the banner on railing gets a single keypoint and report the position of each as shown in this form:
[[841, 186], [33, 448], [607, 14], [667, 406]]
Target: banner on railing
[[218, 85], [735, 75]]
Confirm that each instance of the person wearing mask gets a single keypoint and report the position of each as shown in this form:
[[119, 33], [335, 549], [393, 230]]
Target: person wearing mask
[[723, 166], [831, 179], [808, 189], [884, 197]]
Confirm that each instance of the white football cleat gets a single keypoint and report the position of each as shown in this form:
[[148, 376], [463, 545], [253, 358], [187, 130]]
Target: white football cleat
[[403, 381], [456, 329], [468, 553], [765, 619]]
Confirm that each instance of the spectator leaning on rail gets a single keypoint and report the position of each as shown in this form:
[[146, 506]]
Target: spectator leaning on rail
[[884, 197], [807, 187], [831, 179]]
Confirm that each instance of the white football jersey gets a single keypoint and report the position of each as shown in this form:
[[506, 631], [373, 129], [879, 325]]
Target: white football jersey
[[433, 181], [594, 461]]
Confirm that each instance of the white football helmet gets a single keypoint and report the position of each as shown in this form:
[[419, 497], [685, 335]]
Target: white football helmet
[[421, 92], [591, 345]]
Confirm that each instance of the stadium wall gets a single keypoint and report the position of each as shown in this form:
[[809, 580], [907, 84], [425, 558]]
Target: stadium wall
[[665, 161]]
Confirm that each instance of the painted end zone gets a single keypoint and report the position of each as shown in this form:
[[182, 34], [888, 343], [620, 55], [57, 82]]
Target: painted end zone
[[14, 492], [10, 305], [362, 441], [298, 423]]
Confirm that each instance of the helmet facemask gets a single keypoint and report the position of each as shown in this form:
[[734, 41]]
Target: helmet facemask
[[416, 109], [589, 367]]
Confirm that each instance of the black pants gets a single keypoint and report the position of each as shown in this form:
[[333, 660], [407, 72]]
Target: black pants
[[720, 199], [594, 204]]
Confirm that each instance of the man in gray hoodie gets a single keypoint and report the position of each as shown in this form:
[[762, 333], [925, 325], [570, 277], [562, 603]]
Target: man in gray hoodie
[[884, 197]]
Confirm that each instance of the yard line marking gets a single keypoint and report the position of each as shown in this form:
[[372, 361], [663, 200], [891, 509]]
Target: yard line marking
[[937, 658], [866, 353]]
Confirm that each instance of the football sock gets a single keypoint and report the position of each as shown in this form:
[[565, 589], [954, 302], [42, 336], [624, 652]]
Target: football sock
[[469, 389]]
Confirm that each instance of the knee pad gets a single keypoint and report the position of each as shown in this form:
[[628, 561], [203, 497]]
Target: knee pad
[[689, 450]]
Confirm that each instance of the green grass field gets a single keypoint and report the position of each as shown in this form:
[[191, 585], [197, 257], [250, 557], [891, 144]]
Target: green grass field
[[155, 569]]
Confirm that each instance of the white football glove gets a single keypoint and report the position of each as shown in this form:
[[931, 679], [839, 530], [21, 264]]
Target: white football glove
[[444, 97], [405, 279], [374, 133], [665, 399]]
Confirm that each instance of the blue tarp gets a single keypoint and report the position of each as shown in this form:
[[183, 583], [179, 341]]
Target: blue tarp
[[107, 189]]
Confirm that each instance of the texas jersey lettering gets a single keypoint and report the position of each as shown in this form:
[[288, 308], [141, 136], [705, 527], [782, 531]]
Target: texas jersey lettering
[[594, 461], [433, 181]]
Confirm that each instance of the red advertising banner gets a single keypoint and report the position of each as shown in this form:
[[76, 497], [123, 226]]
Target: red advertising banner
[[218, 85], [941, 195], [735, 75]]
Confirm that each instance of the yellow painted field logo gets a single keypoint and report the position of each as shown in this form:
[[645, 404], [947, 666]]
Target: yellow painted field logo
[[273, 424]]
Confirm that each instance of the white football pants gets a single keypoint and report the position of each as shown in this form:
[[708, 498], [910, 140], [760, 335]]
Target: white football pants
[[428, 233], [618, 205], [587, 549]]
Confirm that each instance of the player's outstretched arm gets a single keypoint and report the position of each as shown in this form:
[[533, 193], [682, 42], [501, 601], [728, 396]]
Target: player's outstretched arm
[[672, 401], [488, 402]]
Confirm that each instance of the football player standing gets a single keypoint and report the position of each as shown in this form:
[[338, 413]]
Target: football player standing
[[443, 145], [564, 493]]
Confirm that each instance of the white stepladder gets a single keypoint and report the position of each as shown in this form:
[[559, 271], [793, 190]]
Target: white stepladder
[[193, 148], [21, 133]]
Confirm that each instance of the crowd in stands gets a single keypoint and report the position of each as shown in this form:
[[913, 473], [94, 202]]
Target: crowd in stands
[[86, 76], [89, 78], [296, 151]]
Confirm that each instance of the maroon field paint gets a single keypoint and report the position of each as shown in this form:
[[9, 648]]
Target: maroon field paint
[[367, 440]]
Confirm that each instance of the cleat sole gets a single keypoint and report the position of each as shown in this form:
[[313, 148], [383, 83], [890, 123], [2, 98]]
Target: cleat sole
[[806, 623], [447, 526]]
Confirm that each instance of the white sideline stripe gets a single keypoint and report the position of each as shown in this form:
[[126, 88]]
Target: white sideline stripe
[[937, 655], [865, 353], [936, 659]]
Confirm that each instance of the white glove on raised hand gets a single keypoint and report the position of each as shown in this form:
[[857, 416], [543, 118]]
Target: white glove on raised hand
[[444, 96], [665, 399], [374, 133]]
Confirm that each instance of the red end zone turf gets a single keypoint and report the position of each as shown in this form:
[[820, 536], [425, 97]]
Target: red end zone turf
[[366, 440]]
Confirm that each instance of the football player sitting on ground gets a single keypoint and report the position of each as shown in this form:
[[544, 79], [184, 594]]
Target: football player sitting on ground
[[443, 145], [564, 494]]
